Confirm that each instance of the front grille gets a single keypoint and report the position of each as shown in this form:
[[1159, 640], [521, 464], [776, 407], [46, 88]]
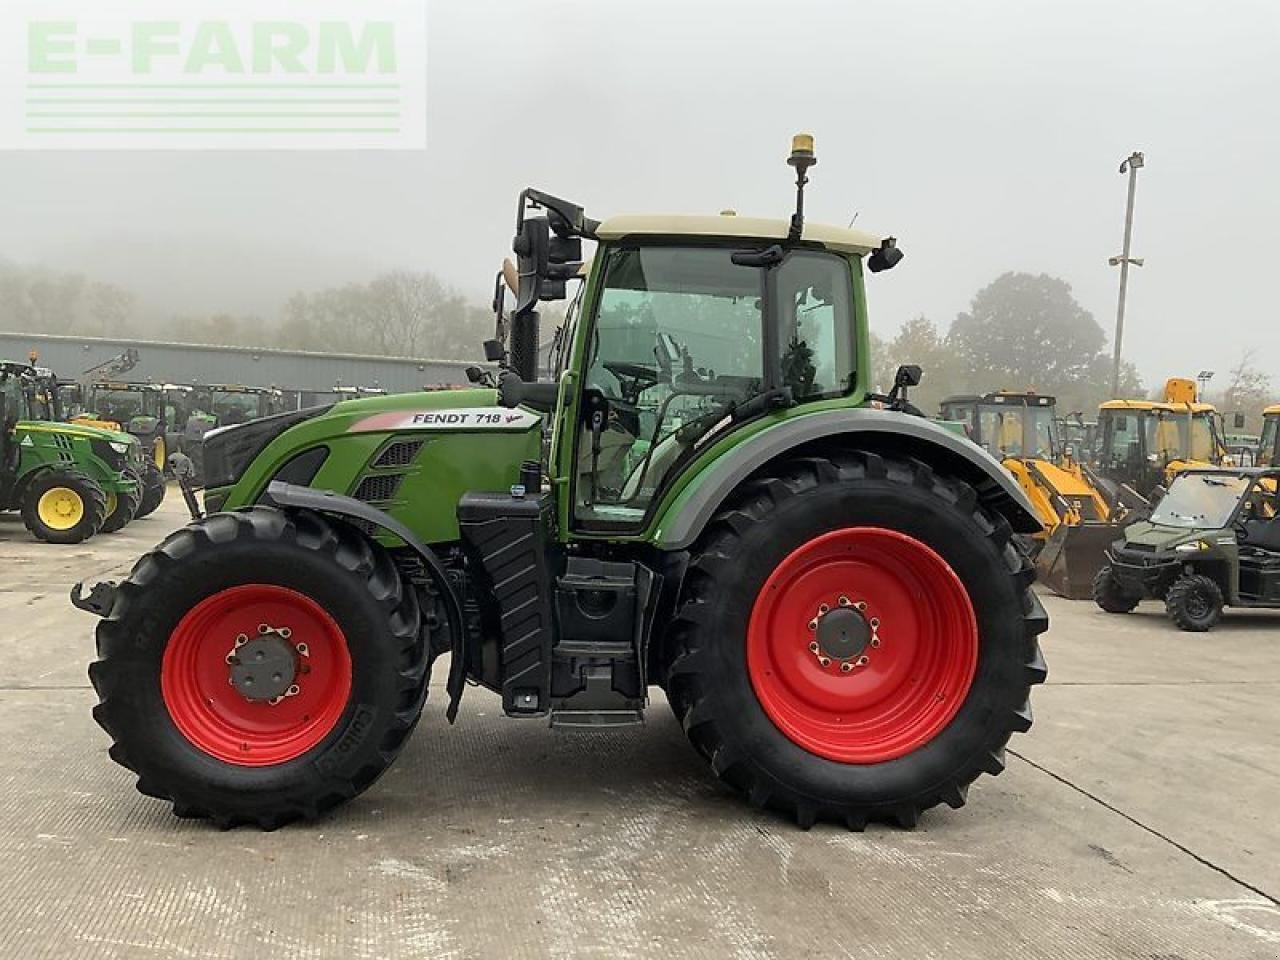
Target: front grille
[[108, 455], [399, 454], [376, 489]]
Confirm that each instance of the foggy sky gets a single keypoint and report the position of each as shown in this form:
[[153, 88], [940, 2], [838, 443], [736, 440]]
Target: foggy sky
[[986, 136]]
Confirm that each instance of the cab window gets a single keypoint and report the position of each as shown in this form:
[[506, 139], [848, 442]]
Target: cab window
[[678, 345]]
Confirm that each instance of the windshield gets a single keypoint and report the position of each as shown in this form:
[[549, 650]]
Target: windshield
[[13, 398], [123, 405], [1019, 431], [1204, 501], [1270, 434]]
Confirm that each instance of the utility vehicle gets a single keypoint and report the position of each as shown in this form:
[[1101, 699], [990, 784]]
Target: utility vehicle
[[68, 481], [1212, 541], [705, 497], [1021, 429]]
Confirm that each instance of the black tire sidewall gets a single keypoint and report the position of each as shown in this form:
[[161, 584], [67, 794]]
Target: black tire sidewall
[[997, 685], [157, 745], [90, 497], [1181, 591]]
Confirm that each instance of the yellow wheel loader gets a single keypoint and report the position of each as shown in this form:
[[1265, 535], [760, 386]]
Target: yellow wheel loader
[[1022, 431], [1146, 443]]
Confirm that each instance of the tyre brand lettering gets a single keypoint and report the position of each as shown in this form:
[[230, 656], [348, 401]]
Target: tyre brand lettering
[[357, 732]]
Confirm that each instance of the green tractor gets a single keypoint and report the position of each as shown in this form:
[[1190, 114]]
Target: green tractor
[[59, 401], [1212, 541], [68, 481], [706, 497]]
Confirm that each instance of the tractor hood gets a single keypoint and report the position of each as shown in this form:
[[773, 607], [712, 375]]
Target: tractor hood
[[76, 430], [1157, 537]]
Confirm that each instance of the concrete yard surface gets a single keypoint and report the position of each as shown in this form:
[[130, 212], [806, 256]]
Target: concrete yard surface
[[1136, 820]]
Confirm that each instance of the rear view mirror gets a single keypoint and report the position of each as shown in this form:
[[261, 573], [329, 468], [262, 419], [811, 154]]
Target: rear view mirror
[[886, 257], [494, 352], [908, 375]]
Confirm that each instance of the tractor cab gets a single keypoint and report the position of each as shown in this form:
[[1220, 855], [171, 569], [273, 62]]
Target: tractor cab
[[1269, 445], [1009, 425], [1145, 443], [227, 404], [135, 408]]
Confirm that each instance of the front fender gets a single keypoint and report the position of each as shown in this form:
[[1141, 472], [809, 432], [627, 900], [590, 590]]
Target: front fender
[[883, 431]]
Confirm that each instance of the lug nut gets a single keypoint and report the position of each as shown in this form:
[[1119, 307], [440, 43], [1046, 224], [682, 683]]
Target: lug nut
[[861, 605], [846, 667], [825, 661], [263, 628], [813, 647], [293, 691], [241, 640], [863, 661], [875, 641], [825, 608], [285, 632], [813, 624], [844, 601], [875, 623], [303, 650]]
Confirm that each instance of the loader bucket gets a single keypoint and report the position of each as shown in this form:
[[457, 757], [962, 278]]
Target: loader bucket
[[1073, 556]]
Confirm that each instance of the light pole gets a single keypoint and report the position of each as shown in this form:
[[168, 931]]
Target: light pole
[[1132, 165]]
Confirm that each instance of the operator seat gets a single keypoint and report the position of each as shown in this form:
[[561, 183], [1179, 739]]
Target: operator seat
[[1262, 534]]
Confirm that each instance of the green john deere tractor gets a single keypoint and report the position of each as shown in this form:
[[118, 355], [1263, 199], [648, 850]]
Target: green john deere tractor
[[68, 481], [51, 405], [705, 497]]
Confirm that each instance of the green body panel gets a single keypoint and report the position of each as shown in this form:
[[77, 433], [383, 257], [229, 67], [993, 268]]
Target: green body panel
[[44, 446], [453, 459], [1221, 549], [565, 438]]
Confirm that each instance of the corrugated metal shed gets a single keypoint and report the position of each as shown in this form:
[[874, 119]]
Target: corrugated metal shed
[[293, 371]]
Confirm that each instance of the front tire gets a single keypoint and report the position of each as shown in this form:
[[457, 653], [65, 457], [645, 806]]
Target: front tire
[[122, 509], [1194, 603], [63, 506], [153, 489], [187, 627], [1109, 594], [929, 661]]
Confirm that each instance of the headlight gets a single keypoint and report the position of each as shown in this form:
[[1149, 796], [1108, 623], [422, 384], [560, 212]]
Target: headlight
[[1193, 547], [119, 447]]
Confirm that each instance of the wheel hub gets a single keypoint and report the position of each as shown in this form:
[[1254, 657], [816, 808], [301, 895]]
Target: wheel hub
[[264, 668], [843, 635]]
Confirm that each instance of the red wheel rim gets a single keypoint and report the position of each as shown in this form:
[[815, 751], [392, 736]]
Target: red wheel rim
[[912, 682], [214, 716]]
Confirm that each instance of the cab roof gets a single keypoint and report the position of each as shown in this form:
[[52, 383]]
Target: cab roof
[[1147, 406], [731, 226], [1272, 411], [1006, 398]]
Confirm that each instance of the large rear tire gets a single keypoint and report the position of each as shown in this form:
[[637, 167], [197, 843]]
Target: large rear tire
[[182, 697], [856, 641], [63, 506]]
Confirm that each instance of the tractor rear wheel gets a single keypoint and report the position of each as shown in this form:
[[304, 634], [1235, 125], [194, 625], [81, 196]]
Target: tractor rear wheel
[[1110, 595], [260, 667], [63, 506], [153, 490], [122, 508], [1194, 603], [856, 640]]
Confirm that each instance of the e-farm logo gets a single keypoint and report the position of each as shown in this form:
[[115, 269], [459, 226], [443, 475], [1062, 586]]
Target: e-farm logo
[[155, 74]]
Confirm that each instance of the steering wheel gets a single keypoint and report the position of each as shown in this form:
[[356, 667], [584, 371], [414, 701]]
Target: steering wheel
[[633, 378]]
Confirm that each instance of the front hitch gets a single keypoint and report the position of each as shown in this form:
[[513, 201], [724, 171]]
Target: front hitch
[[99, 601]]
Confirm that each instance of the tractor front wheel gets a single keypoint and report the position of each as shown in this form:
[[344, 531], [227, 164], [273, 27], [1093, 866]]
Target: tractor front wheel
[[62, 506], [260, 667], [1194, 603], [856, 640]]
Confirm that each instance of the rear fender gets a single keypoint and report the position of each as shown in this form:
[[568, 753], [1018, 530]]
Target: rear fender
[[880, 431]]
